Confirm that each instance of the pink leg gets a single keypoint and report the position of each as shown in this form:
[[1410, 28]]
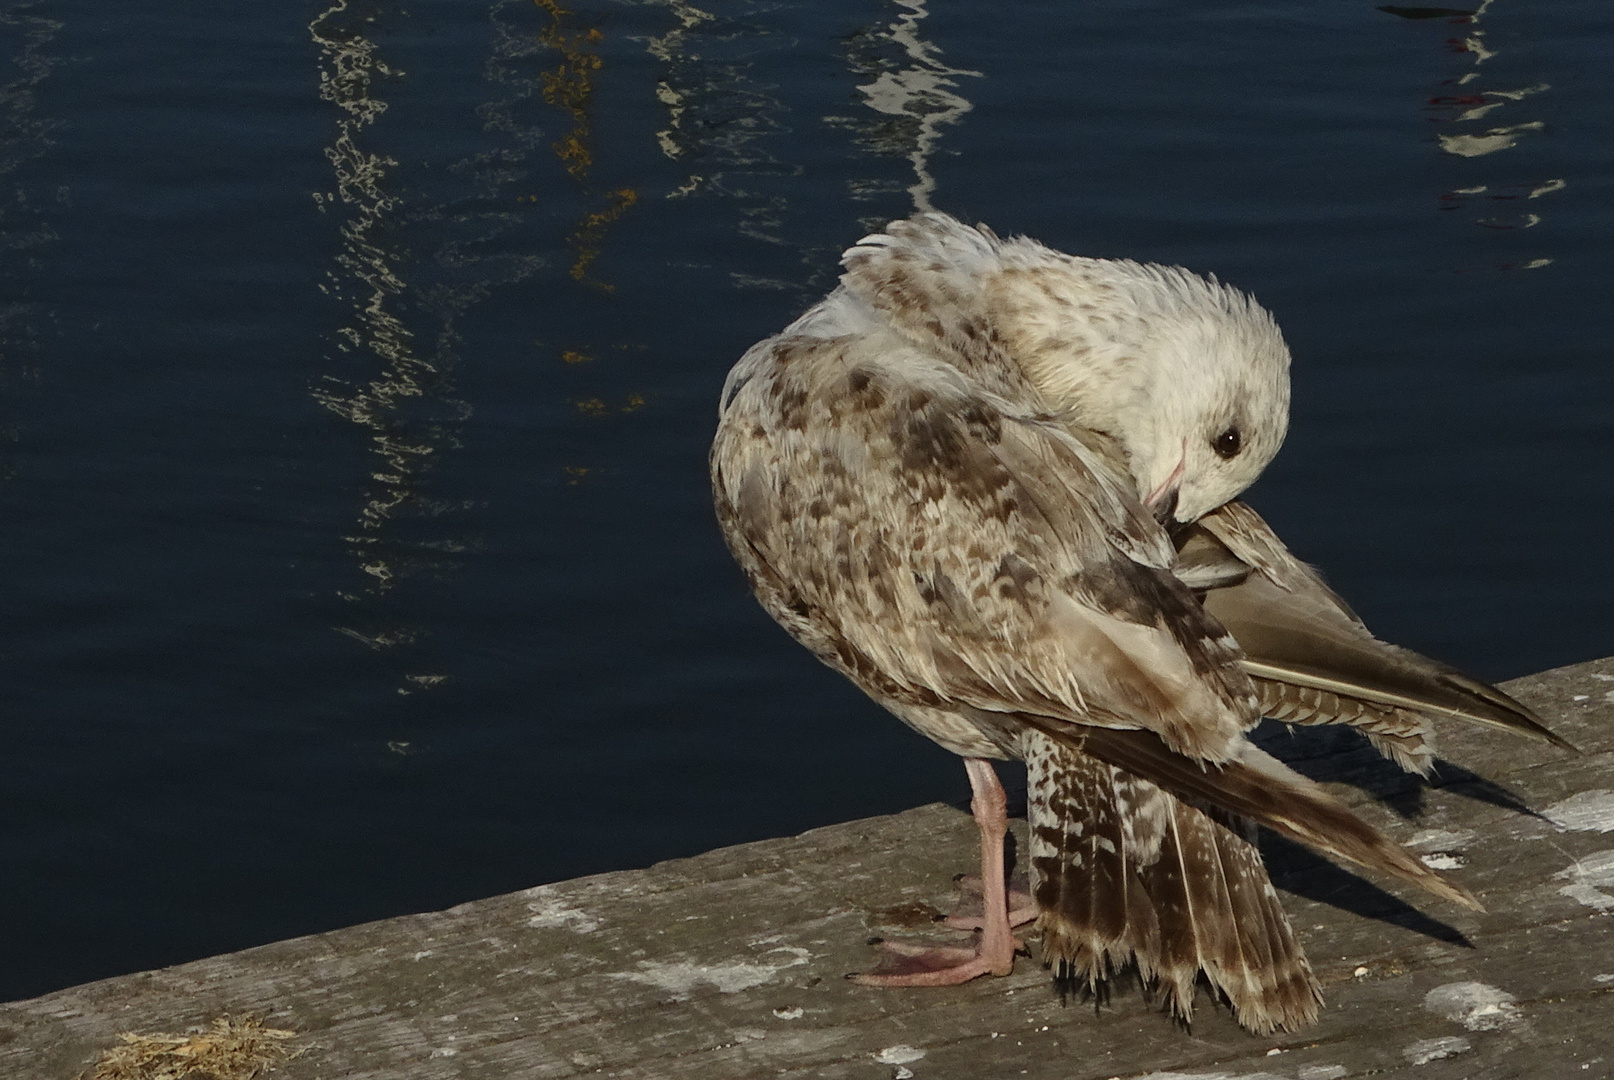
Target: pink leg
[[942, 965], [971, 913]]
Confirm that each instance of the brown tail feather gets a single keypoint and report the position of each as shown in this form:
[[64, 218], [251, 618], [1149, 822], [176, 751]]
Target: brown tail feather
[[1258, 786], [1226, 922], [1280, 991], [1126, 873], [1095, 916]]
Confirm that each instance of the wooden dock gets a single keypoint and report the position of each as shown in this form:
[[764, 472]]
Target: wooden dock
[[731, 964]]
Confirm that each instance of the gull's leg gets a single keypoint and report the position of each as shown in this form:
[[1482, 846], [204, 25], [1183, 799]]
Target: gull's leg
[[971, 913], [944, 965]]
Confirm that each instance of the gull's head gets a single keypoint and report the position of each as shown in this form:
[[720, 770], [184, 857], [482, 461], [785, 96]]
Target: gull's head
[[1188, 377], [1212, 407]]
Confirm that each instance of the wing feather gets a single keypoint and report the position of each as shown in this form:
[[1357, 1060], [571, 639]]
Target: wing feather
[[1311, 654], [940, 547]]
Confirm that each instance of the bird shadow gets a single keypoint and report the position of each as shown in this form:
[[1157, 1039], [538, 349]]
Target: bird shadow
[[1336, 754], [1296, 869]]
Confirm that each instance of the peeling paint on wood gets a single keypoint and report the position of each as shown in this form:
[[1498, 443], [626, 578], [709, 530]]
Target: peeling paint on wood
[[730, 964]]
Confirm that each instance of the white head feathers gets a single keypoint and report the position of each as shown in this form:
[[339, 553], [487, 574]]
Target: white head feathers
[[1189, 376]]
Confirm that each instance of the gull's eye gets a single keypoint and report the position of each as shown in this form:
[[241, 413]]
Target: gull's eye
[[1227, 444]]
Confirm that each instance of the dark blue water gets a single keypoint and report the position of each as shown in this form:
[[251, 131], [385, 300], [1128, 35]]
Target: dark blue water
[[358, 363]]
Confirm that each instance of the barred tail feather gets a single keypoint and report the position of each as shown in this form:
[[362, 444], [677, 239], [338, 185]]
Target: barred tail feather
[[1095, 916], [1220, 915], [1260, 787], [1127, 874]]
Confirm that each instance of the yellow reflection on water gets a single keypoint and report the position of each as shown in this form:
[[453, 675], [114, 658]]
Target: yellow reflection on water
[[594, 406], [569, 85], [589, 236]]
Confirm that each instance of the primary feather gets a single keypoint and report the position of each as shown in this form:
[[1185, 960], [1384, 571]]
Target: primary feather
[[1314, 661]]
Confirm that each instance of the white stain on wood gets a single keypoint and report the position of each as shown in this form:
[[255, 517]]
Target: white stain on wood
[[1588, 878], [1477, 1006], [680, 978], [1440, 839], [1209, 1075], [550, 912], [1321, 1072], [1589, 811], [901, 1054], [1424, 1051]]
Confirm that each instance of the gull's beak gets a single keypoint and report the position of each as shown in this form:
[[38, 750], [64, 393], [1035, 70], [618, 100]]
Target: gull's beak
[[1162, 501]]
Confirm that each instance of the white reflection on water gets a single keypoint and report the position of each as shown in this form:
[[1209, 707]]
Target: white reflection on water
[[921, 93], [721, 120], [730, 130], [1482, 102], [367, 277], [1497, 138], [24, 232], [1474, 104], [406, 270]]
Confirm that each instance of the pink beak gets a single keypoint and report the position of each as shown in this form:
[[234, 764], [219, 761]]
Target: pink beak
[[1162, 501]]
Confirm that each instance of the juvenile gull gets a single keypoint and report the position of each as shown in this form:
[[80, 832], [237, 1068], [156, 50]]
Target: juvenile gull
[[962, 480]]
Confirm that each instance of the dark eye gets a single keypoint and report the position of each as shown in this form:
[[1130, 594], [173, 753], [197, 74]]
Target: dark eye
[[1228, 442]]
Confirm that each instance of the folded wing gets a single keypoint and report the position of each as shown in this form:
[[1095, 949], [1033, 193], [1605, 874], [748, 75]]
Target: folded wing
[[942, 548], [1313, 660]]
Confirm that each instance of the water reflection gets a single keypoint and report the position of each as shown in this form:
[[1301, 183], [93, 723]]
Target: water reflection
[[24, 231], [395, 350], [722, 122], [911, 90], [367, 279], [726, 127], [569, 86], [1473, 111]]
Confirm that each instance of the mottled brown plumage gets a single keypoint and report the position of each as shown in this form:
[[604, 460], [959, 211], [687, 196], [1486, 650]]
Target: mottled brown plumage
[[948, 480]]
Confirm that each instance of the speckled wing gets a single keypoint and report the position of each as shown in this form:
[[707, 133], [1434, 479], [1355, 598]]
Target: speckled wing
[[943, 547], [1313, 660]]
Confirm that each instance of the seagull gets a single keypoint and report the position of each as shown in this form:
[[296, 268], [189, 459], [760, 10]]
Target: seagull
[[996, 486]]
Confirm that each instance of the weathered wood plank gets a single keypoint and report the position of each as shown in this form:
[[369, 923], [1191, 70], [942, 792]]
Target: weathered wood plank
[[730, 964]]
